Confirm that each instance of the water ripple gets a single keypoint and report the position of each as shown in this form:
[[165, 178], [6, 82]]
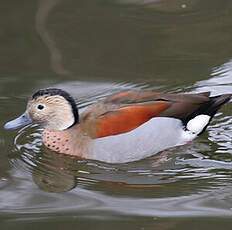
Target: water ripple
[[177, 182]]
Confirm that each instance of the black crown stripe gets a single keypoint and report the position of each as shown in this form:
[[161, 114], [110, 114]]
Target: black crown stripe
[[59, 92]]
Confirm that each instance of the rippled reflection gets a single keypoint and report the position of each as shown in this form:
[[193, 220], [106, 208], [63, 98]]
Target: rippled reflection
[[153, 177], [220, 81], [95, 48]]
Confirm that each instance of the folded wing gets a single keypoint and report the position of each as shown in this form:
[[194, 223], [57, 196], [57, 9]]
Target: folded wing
[[134, 108]]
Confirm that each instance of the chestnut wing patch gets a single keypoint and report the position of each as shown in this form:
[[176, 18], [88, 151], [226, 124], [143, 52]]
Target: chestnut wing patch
[[128, 118]]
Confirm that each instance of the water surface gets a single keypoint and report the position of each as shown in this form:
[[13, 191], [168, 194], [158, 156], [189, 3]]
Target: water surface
[[95, 48]]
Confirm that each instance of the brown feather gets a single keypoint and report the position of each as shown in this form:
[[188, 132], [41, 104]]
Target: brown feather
[[127, 118], [125, 111]]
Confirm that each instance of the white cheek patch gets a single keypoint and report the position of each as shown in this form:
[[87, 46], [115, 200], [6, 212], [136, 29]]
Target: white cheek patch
[[66, 124], [198, 123], [61, 115], [65, 118]]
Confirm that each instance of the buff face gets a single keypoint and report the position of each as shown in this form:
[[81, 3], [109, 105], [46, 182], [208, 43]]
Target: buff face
[[52, 112]]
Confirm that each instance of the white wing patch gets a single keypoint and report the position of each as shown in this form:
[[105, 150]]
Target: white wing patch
[[198, 123]]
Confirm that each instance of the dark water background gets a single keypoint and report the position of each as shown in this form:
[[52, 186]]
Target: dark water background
[[93, 48]]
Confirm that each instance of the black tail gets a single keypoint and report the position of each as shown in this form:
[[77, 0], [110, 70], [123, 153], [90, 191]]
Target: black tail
[[210, 108], [214, 104]]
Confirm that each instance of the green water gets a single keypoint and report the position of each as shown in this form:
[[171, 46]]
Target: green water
[[92, 48]]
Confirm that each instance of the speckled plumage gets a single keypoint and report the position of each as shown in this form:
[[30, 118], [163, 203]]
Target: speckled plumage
[[123, 127]]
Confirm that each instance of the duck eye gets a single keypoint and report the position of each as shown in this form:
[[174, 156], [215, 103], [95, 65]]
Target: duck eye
[[40, 107]]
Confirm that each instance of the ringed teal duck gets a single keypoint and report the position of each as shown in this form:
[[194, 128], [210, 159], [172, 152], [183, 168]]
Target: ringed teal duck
[[123, 127]]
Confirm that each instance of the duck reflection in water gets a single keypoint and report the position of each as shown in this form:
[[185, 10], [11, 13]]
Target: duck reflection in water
[[124, 127], [54, 173]]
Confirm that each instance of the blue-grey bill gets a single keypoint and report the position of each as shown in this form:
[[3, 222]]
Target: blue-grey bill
[[19, 122]]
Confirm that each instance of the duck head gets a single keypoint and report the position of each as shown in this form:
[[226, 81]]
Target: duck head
[[52, 108]]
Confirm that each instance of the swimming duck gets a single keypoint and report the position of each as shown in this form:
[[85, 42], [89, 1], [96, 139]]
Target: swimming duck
[[123, 127]]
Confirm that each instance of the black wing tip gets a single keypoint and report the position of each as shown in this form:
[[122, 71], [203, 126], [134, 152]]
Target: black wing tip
[[221, 99], [215, 103]]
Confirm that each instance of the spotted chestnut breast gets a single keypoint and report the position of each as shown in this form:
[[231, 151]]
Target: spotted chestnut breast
[[57, 141], [125, 126]]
